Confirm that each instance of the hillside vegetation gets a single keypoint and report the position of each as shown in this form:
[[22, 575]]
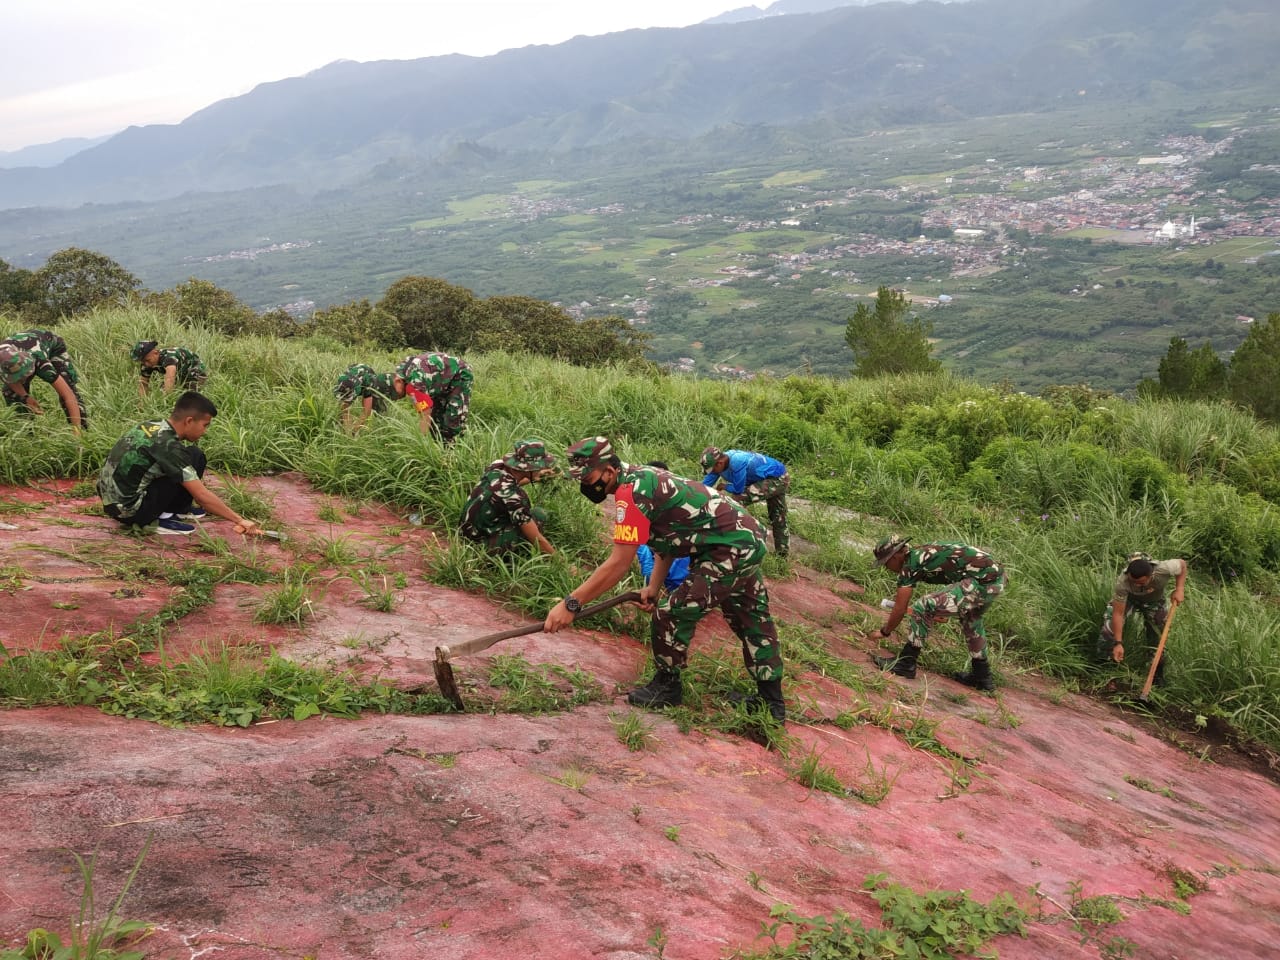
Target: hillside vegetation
[[1060, 488]]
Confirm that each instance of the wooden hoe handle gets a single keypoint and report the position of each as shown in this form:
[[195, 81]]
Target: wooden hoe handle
[[1155, 660], [476, 644]]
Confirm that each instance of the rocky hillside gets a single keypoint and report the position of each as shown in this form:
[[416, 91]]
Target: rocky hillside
[[589, 830]]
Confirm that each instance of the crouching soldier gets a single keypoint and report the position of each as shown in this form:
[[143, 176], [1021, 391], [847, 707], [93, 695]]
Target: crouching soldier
[[41, 354], [154, 473], [178, 366], [498, 513], [725, 546], [970, 578]]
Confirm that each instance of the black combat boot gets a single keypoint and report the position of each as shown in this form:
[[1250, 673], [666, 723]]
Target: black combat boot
[[781, 544], [768, 694], [979, 676], [904, 664], [662, 691]]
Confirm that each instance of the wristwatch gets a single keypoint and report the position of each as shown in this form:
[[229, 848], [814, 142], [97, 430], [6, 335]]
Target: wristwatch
[[572, 604]]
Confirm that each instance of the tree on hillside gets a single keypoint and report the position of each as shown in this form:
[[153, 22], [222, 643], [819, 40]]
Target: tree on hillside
[[515, 323], [887, 339], [1187, 374], [357, 323], [73, 281], [429, 311], [19, 288], [200, 302], [1254, 374]]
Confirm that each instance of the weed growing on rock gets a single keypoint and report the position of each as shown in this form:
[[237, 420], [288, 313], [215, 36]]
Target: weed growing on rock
[[91, 937], [815, 775], [937, 925], [633, 731], [290, 602], [531, 689]]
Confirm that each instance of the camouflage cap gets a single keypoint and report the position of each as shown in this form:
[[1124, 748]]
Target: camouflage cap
[[530, 456], [587, 454], [709, 457], [888, 548], [142, 348], [1139, 564], [383, 385], [15, 364]]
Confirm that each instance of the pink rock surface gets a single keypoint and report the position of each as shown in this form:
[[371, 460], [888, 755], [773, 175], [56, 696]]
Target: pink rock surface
[[498, 836]]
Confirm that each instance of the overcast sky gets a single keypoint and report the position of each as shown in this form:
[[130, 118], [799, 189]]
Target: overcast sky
[[83, 68]]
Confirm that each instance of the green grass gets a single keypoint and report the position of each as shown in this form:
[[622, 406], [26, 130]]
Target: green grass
[[1059, 490]]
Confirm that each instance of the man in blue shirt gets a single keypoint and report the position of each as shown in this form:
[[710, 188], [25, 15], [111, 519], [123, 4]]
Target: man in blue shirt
[[749, 478]]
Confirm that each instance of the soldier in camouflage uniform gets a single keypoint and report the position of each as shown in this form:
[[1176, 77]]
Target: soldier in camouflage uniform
[[498, 513], [43, 354], [1140, 589], [359, 383], [440, 387], [153, 473], [971, 579], [679, 518], [749, 478], [178, 366]]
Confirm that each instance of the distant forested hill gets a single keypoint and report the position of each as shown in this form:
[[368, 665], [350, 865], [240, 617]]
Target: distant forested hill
[[864, 65]]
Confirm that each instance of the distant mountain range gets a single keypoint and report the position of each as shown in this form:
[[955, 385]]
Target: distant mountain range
[[48, 154], [861, 66]]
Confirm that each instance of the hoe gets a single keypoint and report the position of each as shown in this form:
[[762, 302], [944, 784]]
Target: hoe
[[444, 669]]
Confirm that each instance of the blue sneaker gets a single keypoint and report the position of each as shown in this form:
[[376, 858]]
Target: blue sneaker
[[195, 513], [174, 527]]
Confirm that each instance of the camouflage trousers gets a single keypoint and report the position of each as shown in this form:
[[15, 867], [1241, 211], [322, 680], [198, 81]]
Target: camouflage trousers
[[773, 491], [1153, 617], [966, 599], [731, 580], [67, 371], [449, 409], [509, 539]]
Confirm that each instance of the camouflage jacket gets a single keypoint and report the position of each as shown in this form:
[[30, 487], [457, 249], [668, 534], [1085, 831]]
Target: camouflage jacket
[[190, 366], [496, 503], [359, 381], [948, 563], [434, 373], [679, 517], [147, 452], [43, 345]]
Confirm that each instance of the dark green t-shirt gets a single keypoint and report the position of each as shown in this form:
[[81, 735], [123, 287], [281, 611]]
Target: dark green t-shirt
[[148, 451]]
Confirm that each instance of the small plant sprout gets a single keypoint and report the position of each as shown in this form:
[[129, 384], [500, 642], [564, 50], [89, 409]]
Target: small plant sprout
[[573, 778], [633, 730]]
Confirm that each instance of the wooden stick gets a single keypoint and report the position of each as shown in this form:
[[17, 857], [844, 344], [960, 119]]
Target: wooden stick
[[1155, 660]]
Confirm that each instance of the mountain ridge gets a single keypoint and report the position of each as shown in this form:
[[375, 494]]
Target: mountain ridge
[[886, 62]]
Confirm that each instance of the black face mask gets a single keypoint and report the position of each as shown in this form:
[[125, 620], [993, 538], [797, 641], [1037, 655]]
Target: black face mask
[[595, 492]]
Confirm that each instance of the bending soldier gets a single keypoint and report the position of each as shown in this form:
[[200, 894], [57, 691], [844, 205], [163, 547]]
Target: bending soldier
[[970, 580], [498, 513], [725, 546]]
